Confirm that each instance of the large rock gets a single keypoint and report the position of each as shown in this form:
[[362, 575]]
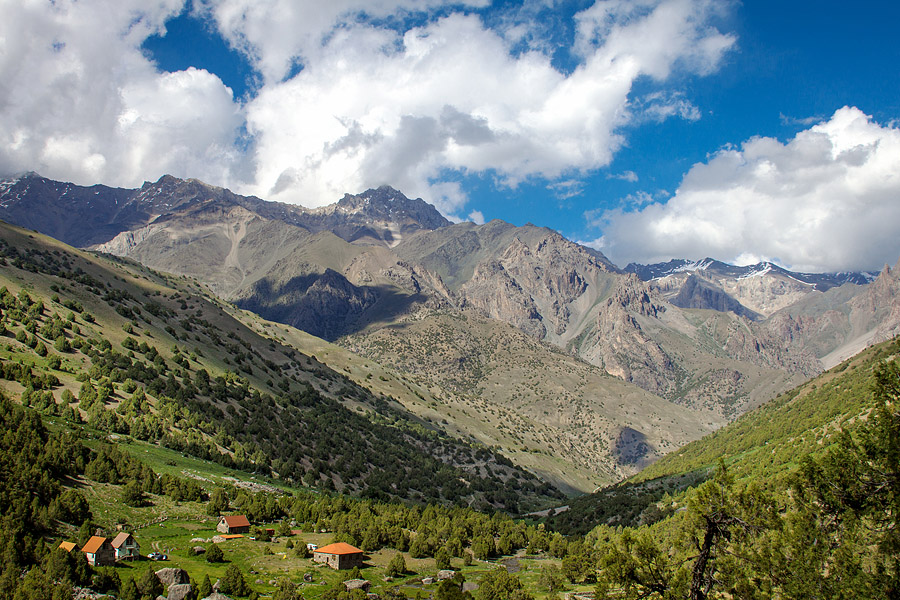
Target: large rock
[[180, 591], [172, 576], [216, 596]]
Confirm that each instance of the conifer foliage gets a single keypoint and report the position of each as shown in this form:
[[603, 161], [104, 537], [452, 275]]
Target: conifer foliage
[[832, 534]]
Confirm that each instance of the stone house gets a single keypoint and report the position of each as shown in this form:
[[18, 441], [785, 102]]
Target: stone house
[[233, 524], [339, 556]]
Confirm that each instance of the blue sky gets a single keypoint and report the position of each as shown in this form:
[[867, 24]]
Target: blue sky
[[648, 129]]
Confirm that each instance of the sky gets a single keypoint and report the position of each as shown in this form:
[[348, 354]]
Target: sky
[[647, 129]]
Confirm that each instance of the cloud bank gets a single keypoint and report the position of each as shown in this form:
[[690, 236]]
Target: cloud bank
[[828, 199], [350, 95]]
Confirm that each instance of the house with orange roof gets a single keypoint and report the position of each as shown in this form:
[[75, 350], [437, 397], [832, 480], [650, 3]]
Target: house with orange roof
[[126, 547], [99, 552], [68, 546], [339, 556], [233, 524]]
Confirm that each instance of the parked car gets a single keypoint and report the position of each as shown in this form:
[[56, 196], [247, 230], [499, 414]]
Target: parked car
[[157, 556]]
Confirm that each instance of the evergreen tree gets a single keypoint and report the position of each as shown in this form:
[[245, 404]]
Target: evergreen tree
[[397, 566], [205, 587], [500, 585], [149, 584], [214, 554], [233, 582], [218, 502], [442, 559], [129, 590]]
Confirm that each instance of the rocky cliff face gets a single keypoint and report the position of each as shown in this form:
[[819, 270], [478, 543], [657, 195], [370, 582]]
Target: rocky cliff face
[[619, 344], [696, 292], [541, 284]]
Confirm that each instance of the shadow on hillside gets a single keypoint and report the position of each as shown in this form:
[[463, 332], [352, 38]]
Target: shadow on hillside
[[632, 448], [326, 305]]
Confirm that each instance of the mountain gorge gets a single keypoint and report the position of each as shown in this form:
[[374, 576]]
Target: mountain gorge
[[513, 337]]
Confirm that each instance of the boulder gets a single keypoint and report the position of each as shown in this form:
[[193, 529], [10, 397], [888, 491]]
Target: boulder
[[180, 591], [216, 596], [171, 576]]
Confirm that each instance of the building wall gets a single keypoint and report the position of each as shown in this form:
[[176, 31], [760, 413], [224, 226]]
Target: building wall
[[348, 561], [223, 528], [105, 556], [338, 561]]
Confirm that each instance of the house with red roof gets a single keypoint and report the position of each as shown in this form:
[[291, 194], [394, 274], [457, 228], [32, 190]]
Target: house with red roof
[[234, 524], [339, 556], [99, 552]]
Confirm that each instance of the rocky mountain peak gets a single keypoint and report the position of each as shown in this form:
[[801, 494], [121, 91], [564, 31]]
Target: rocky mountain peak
[[389, 205]]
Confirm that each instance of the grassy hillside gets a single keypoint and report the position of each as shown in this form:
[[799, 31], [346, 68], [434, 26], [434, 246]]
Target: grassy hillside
[[137, 353], [545, 408]]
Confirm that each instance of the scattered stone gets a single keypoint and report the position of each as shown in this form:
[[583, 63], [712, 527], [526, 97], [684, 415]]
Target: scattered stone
[[80, 593], [445, 574], [171, 576], [427, 580], [216, 596], [180, 591], [198, 549], [356, 584]]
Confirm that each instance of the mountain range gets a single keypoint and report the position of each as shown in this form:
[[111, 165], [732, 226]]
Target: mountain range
[[514, 337]]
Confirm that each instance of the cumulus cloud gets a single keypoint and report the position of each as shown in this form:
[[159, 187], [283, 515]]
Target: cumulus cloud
[[828, 199], [81, 102], [280, 35], [376, 105], [351, 95]]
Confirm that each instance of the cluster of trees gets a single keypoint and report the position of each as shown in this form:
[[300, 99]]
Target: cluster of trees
[[113, 465], [34, 464], [830, 533]]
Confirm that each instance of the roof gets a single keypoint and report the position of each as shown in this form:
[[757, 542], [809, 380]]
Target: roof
[[93, 544], [120, 539], [339, 548], [237, 521], [68, 546], [231, 536]]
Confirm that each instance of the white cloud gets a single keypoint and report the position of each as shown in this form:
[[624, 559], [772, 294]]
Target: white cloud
[[374, 106], [277, 34], [629, 176], [371, 104], [81, 102], [568, 188], [829, 199], [477, 217]]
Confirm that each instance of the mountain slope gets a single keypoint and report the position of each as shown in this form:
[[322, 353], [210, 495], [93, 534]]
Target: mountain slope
[[711, 337], [763, 446], [137, 353]]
